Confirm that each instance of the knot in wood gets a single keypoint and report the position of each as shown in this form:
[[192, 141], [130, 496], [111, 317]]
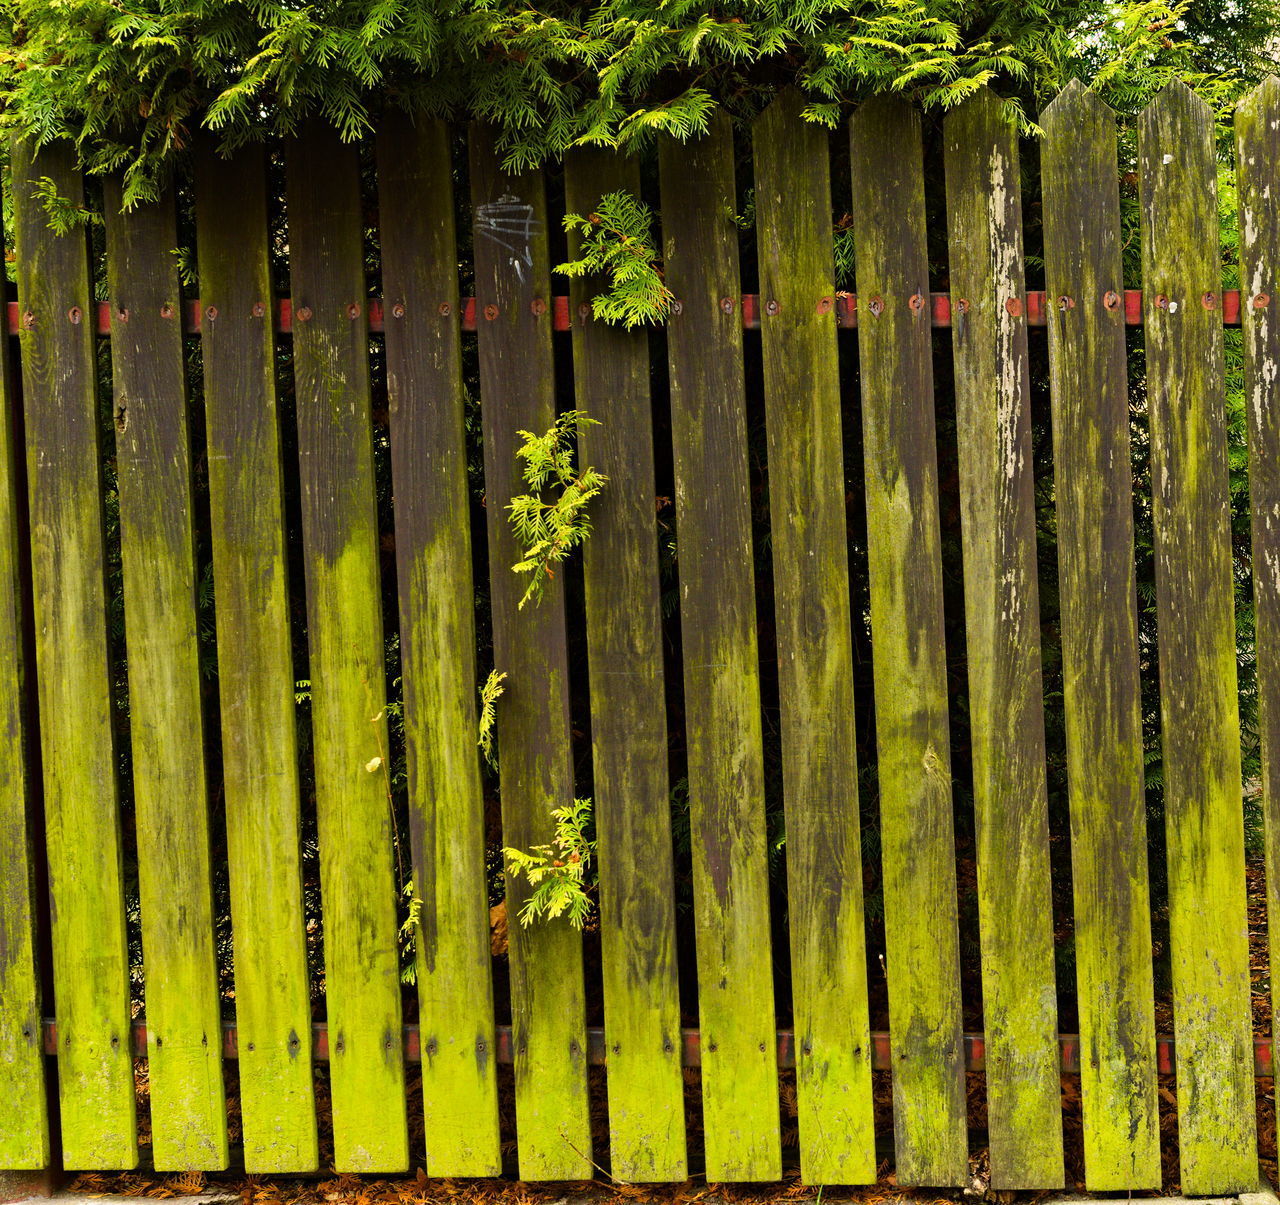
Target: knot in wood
[[304, 314], [1162, 302], [537, 307], [259, 309], [1014, 306], [677, 307], [75, 314], [122, 314], [211, 312], [1111, 299], [1209, 301], [166, 310], [584, 311], [876, 306], [824, 305], [916, 302], [490, 313], [1261, 301], [353, 310], [726, 305], [28, 320], [772, 307], [1066, 303]]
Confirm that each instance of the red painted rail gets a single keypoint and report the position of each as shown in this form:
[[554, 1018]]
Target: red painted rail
[[845, 307], [975, 1048]]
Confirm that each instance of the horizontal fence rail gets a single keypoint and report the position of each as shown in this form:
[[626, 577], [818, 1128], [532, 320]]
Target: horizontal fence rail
[[844, 306], [863, 673]]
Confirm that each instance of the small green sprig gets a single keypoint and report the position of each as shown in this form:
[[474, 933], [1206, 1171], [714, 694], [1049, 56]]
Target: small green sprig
[[551, 521], [617, 244], [558, 872]]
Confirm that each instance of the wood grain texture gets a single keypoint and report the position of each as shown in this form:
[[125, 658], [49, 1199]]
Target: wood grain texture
[[908, 645], [345, 640], [1094, 497], [1257, 129], [255, 664], [68, 567], [721, 660], [1002, 624], [171, 802], [437, 638], [517, 391], [1194, 592], [24, 1119], [815, 646], [628, 721]]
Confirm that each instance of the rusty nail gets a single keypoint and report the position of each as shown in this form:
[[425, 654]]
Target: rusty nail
[[584, 310], [490, 312], [304, 314], [122, 314], [537, 307], [1111, 299], [677, 307], [1261, 301], [1162, 302], [211, 313], [28, 320], [726, 305], [259, 309], [772, 307], [353, 310], [1014, 306], [824, 305], [75, 314], [876, 306], [166, 310]]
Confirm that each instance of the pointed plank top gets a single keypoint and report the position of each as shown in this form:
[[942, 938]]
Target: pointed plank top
[[1075, 99]]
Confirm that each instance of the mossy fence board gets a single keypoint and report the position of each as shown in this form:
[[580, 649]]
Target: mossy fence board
[[285, 469]]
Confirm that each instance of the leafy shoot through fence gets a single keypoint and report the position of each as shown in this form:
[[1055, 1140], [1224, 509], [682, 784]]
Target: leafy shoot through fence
[[557, 872], [551, 521]]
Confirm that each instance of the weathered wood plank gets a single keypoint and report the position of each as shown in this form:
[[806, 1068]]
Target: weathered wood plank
[[908, 646], [24, 1119], [1094, 497], [68, 566], [721, 661], [255, 664], [1002, 622], [153, 457], [628, 722], [815, 646], [517, 390], [345, 640], [1194, 595], [1257, 164], [437, 639]]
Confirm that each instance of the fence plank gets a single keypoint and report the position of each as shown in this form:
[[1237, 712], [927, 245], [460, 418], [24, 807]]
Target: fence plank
[[437, 642], [908, 647], [721, 662], [1257, 157], [153, 456], [628, 723], [82, 819], [517, 389], [1093, 486], [24, 1119], [255, 664], [1200, 720], [815, 647], [1002, 621], [344, 629]]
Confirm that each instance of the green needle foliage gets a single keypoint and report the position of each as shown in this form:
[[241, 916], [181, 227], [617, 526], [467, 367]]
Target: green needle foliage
[[557, 872], [549, 529], [617, 243], [131, 82]]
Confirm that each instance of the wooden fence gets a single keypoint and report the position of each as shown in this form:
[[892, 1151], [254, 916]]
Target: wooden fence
[[60, 811]]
